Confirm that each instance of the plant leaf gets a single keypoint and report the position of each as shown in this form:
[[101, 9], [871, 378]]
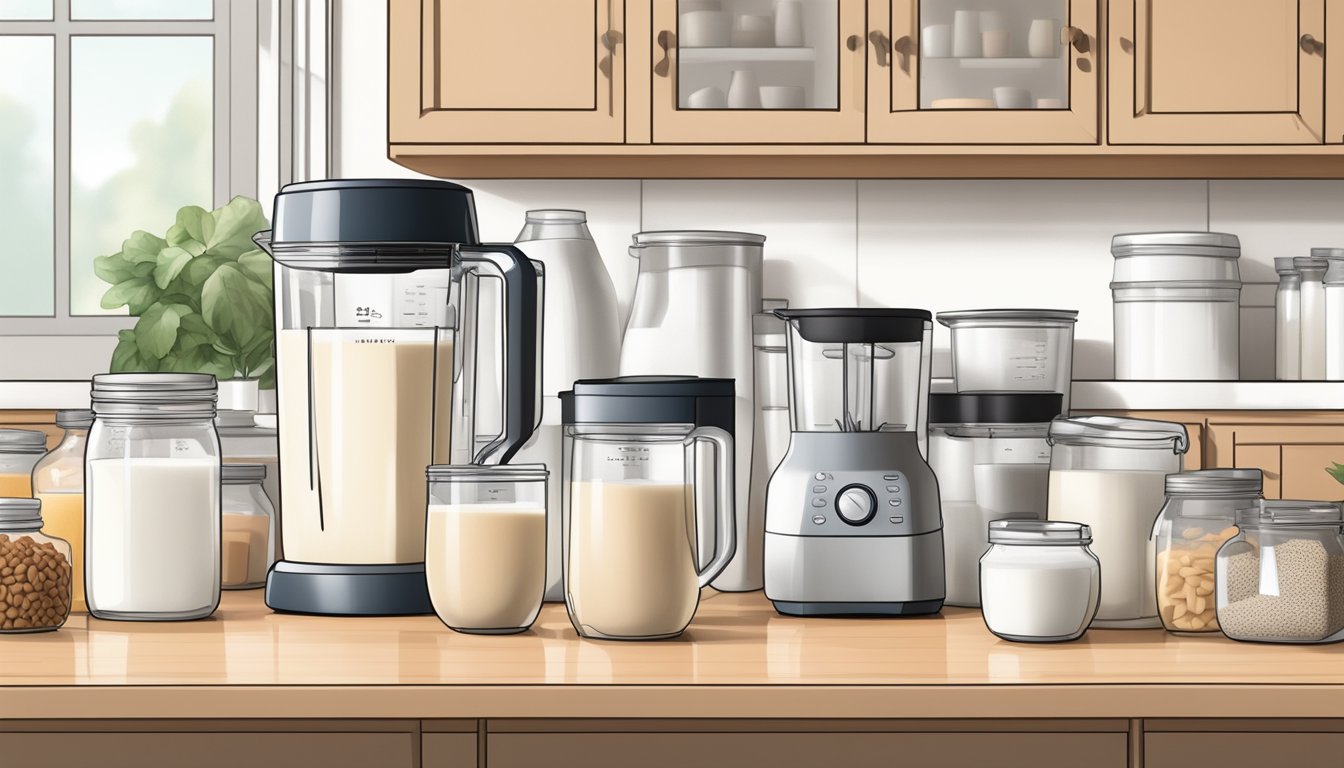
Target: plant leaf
[[112, 269], [267, 379], [234, 305], [200, 269], [235, 223], [257, 265], [156, 331], [198, 223], [172, 260], [126, 358], [141, 247], [136, 294], [1336, 471], [194, 323]]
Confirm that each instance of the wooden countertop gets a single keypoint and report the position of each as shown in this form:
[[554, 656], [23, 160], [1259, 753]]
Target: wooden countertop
[[738, 659]]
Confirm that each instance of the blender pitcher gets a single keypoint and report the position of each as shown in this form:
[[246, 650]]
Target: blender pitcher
[[379, 316], [631, 557]]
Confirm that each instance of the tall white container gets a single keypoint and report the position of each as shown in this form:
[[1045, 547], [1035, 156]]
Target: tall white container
[[1288, 321], [1177, 306], [1313, 327], [1334, 313]]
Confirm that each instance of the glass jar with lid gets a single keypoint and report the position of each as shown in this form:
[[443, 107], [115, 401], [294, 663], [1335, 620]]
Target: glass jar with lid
[[35, 577], [1039, 581], [19, 451], [152, 507], [1288, 321], [1281, 578], [1200, 514], [58, 481], [1312, 328], [247, 527]]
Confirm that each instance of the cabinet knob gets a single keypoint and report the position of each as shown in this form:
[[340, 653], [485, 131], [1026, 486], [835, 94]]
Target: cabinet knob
[[882, 44], [1310, 44], [853, 42]]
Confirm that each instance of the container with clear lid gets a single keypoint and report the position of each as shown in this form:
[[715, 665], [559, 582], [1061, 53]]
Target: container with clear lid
[[1012, 350], [485, 546], [247, 527], [35, 594], [1110, 474], [20, 450], [1281, 578], [58, 481], [1039, 581], [1313, 324], [770, 438], [1334, 312], [1288, 321], [152, 498], [1200, 514]]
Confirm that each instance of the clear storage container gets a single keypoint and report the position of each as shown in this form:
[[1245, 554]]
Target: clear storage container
[[1012, 350], [20, 450], [152, 499], [1334, 312], [58, 481], [1281, 578], [1110, 474], [1313, 324], [1039, 580], [35, 579], [485, 546], [770, 438], [247, 527], [1200, 514], [1177, 306], [1288, 321]]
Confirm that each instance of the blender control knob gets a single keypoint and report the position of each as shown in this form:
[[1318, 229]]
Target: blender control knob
[[855, 504]]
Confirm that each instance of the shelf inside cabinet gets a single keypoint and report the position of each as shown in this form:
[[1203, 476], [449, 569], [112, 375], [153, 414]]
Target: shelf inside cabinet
[[987, 63], [722, 55]]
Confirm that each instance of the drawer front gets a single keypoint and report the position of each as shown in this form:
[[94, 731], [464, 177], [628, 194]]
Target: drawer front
[[211, 750], [1243, 750]]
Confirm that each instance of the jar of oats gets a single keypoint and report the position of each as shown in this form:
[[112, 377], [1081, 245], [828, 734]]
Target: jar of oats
[[34, 570], [1200, 513], [1281, 578]]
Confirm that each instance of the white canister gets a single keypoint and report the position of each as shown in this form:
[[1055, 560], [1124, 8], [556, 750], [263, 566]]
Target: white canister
[[1288, 320], [1039, 581], [1177, 306], [789, 24], [936, 41], [966, 34], [1043, 38], [1313, 325], [743, 90], [1334, 313]]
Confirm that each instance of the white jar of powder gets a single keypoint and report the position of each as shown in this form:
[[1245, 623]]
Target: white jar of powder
[[1039, 582]]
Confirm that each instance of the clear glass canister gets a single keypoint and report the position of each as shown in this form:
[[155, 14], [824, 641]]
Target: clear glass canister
[[1110, 474], [1039, 582], [1334, 312], [1200, 514], [485, 546], [34, 570], [247, 527], [1288, 321], [19, 451], [58, 481], [1281, 578], [152, 499], [1312, 328]]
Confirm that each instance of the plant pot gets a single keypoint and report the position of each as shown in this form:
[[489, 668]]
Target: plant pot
[[238, 395]]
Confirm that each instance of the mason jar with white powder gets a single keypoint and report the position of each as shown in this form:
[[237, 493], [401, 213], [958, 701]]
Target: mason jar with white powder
[[1039, 581], [152, 498]]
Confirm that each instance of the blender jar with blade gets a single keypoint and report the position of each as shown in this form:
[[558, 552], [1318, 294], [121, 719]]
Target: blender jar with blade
[[377, 325]]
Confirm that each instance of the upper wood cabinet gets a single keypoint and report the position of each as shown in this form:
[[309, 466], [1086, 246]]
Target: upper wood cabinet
[[1212, 72], [1048, 57], [507, 71]]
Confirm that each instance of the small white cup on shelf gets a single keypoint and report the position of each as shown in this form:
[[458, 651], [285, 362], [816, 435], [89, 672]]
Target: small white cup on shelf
[[994, 43], [936, 41], [712, 97], [783, 97], [743, 90], [1043, 39], [706, 29], [1012, 97], [966, 34], [789, 24], [751, 31]]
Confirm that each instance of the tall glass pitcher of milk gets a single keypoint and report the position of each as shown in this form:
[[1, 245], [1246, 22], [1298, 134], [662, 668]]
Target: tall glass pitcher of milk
[[379, 315]]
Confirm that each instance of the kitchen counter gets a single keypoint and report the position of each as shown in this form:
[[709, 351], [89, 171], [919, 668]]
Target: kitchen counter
[[739, 659]]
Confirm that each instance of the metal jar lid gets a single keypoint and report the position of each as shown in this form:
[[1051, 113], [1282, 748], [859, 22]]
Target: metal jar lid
[[1216, 482], [1114, 432], [994, 407], [22, 441], [20, 513], [168, 395], [239, 474], [1039, 532], [1284, 265], [685, 237], [1291, 513], [1213, 244], [75, 418], [1017, 318], [1311, 263], [486, 473]]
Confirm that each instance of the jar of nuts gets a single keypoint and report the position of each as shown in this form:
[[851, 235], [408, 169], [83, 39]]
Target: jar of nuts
[[1199, 515], [34, 570]]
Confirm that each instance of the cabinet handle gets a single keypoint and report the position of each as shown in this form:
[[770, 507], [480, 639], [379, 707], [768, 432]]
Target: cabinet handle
[[1073, 36], [610, 39], [853, 42], [905, 48], [1310, 44], [666, 41], [883, 46]]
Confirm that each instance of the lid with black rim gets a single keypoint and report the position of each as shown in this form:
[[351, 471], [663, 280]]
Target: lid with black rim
[[857, 325], [704, 402], [994, 407]]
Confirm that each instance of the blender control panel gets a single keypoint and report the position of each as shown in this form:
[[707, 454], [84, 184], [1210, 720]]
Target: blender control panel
[[847, 503]]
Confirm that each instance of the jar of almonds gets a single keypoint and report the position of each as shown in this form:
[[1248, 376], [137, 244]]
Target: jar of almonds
[[1199, 515], [34, 570]]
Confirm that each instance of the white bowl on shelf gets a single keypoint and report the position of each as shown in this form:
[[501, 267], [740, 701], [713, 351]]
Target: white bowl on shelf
[[712, 97], [751, 31], [783, 97], [706, 29]]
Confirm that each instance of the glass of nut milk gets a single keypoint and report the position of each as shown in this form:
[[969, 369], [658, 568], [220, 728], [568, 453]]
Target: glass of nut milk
[[152, 498]]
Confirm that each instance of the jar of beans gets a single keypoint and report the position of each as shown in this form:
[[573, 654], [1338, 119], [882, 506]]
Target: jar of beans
[[34, 570], [1281, 578], [1199, 515]]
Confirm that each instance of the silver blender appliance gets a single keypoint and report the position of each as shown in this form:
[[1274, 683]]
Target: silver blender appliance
[[853, 524], [379, 319]]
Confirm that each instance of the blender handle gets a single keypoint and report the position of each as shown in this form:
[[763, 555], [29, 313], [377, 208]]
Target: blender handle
[[522, 345], [725, 524]]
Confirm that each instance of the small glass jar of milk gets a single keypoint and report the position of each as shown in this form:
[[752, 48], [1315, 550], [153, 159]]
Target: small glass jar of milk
[[1039, 581], [152, 498]]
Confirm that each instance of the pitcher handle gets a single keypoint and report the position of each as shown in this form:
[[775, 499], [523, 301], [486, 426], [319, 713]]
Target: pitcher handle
[[522, 345], [725, 525]]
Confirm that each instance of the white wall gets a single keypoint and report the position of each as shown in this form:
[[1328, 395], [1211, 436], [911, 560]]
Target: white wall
[[940, 245]]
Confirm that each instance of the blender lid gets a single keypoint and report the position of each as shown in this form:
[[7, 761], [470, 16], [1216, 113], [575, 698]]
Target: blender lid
[[696, 237], [1110, 431], [856, 325], [994, 407], [1008, 316], [22, 441], [369, 225], [651, 400], [1216, 244], [1216, 482]]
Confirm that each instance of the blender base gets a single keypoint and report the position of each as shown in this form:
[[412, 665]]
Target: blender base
[[841, 610], [348, 590]]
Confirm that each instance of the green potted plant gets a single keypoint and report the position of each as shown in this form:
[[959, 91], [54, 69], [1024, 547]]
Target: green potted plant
[[1336, 471], [203, 294]]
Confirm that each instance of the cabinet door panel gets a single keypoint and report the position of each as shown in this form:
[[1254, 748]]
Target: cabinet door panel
[[210, 750], [1304, 475], [1242, 750], [448, 750], [1199, 72]]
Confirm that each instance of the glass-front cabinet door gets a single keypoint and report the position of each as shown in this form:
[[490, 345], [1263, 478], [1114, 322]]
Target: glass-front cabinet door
[[758, 71], [982, 72]]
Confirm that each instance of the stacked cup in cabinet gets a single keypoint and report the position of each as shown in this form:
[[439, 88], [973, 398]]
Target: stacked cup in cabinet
[[1309, 316]]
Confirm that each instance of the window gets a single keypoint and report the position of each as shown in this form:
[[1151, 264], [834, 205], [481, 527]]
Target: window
[[113, 114]]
